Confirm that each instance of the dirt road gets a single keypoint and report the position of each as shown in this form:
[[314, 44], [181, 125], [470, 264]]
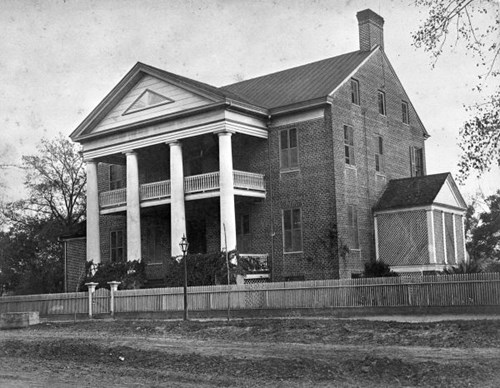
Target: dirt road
[[267, 353]]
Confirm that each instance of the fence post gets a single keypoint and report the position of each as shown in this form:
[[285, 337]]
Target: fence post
[[91, 286], [114, 287]]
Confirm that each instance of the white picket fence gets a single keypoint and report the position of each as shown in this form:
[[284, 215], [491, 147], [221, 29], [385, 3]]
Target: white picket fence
[[448, 290]]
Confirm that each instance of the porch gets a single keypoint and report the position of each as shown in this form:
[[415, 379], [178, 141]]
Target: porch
[[199, 186]]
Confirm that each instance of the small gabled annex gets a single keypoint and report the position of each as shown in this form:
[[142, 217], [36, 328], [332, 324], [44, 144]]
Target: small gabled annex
[[419, 224]]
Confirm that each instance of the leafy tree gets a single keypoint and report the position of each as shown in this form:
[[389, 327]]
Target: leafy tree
[[55, 179], [484, 234], [30, 253], [457, 19], [30, 258]]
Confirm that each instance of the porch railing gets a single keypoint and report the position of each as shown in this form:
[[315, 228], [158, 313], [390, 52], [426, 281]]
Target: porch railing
[[113, 197], [248, 180], [155, 190], [192, 184], [202, 182]]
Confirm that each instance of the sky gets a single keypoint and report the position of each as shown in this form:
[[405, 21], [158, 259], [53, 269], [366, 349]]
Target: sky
[[59, 58]]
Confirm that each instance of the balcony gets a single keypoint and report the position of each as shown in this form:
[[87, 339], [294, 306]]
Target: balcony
[[195, 187]]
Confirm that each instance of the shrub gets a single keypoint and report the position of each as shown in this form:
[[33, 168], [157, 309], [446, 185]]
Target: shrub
[[471, 266], [131, 274], [205, 269], [377, 268]]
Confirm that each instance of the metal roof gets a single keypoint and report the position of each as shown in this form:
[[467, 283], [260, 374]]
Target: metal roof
[[302, 83], [411, 192]]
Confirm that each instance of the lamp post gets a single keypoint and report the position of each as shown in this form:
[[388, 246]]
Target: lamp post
[[184, 247]]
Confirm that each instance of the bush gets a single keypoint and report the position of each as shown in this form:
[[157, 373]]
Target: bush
[[471, 266], [202, 269], [131, 274], [377, 269]]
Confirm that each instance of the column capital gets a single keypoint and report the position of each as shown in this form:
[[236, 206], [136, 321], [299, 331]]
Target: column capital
[[224, 132], [174, 143], [130, 152], [90, 160]]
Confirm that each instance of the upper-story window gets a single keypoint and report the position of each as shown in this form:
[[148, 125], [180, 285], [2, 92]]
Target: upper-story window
[[417, 161], [405, 112], [352, 223], [349, 145], [292, 230], [381, 103], [116, 180], [379, 154], [116, 245], [355, 92], [289, 151]]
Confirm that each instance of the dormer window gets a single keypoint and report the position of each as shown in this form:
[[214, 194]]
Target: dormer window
[[147, 99]]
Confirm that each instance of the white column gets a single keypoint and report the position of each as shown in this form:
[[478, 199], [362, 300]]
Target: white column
[[430, 237], [133, 208], [93, 235], [375, 224], [227, 212], [444, 239], [455, 237], [466, 258], [177, 209]]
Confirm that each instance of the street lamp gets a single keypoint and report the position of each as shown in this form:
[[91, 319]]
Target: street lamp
[[184, 247]]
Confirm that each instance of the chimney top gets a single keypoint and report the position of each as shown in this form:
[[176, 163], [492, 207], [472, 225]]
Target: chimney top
[[371, 30]]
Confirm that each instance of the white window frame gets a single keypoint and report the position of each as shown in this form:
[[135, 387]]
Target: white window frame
[[293, 230], [289, 150]]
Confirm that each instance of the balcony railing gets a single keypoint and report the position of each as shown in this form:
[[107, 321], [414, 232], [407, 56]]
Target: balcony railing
[[201, 183], [113, 197], [192, 184], [155, 190]]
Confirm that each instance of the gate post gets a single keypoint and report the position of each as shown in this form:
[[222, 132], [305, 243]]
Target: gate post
[[114, 287], [91, 286]]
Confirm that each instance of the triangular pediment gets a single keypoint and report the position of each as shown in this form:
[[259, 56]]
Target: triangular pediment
[[148, 99], [146, 93], [450, 195]]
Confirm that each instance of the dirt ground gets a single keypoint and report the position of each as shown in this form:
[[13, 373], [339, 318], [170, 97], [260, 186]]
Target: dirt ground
[[252, 353]]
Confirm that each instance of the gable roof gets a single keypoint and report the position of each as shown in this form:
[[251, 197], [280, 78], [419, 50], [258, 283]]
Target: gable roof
[[416, 191], [302, 83]]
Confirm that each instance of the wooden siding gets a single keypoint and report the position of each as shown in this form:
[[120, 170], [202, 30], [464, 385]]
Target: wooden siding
[[427, 291], [182, 100]]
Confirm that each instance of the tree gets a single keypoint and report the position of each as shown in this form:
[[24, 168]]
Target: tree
[[55, 179], [480, 134], [30, 253], [484, 235]]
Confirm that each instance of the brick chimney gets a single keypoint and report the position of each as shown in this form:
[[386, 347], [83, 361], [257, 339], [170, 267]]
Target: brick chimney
[[371, 30]]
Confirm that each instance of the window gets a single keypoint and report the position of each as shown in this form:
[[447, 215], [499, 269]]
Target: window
[[416, 161], [404, 112], [352, 222], [116, 177], [379, 154], [292, 227], [381, 102], [243, 233], [349, 145], [117, 251], [355, 92], [289, 149]]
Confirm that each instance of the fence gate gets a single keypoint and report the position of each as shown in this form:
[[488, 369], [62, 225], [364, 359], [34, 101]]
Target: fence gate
[[100, 301]]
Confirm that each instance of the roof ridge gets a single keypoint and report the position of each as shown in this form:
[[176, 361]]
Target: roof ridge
[[292, 68], [420, 177]]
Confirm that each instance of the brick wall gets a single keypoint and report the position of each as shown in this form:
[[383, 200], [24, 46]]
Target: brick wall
[[361, 185]]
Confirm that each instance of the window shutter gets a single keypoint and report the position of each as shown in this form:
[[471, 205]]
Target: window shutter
[[412, 161]]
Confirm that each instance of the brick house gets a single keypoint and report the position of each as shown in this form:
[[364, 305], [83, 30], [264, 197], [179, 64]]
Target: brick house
[[288, 165]]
